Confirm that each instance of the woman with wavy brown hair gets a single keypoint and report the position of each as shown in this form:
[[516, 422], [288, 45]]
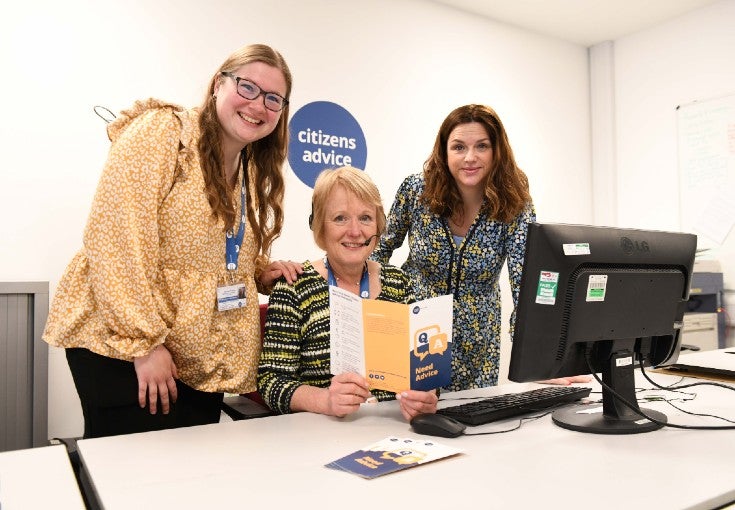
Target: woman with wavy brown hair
[[158, 312], [465, 216]]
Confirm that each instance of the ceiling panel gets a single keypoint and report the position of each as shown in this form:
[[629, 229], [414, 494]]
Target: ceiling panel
[[584, 22]]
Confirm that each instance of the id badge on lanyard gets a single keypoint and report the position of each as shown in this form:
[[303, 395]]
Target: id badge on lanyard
[[232, 294]]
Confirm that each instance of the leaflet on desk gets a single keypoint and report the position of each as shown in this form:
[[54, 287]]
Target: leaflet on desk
[[395, 346], [392, 454]]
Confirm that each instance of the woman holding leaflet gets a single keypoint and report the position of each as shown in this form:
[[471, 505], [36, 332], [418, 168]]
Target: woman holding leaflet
[[294, 373]]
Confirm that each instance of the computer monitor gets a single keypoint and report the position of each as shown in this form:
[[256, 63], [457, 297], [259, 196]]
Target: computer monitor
[[601, 299]]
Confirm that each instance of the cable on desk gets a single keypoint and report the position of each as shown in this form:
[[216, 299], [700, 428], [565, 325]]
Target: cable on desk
[[676, 387], [637, 409]]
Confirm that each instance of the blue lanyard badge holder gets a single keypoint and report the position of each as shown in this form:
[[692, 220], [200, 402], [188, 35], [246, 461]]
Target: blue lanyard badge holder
[[232, 295], [364, 281]]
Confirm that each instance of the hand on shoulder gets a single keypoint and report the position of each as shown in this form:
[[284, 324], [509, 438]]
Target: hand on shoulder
[[288, 269]]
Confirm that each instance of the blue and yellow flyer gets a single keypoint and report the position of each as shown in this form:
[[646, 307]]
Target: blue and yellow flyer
[[395, 346], [390, 455]]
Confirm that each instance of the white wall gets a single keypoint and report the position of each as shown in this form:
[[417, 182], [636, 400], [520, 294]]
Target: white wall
[[687, 59], [399, 66]]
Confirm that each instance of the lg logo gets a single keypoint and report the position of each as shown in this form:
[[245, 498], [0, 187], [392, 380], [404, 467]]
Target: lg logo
[[629, 246]]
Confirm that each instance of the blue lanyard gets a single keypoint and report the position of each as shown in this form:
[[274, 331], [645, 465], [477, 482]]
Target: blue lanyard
[[233, 242], [364, 280]]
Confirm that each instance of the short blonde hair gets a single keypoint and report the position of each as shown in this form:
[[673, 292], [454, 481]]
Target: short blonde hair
[[353, 180]]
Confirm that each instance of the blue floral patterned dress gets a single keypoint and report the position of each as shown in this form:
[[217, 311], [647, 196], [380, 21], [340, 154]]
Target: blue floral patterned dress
[[470, 271]]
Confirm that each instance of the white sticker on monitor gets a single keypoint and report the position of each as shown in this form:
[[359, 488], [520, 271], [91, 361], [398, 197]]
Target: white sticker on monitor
[[596, 287], [548, 285], [624, 362], [576, 249]]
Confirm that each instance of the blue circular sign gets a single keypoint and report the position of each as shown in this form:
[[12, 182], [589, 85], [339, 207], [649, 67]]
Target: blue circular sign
[[324, 135]]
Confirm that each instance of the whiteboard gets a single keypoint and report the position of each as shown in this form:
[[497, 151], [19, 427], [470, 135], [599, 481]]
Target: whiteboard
[[706, 142]]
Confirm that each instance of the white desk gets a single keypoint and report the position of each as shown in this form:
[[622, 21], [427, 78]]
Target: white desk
[[277, 462], [38, 478]]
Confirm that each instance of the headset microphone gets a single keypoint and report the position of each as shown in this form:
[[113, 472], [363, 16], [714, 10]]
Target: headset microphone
[[369, 240]]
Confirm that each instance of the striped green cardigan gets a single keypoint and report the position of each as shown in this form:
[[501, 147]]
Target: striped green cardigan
[[296, 342]]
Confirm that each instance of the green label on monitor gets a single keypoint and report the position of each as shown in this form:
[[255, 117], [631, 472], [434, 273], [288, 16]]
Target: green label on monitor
[[548, 284], [596, 287]]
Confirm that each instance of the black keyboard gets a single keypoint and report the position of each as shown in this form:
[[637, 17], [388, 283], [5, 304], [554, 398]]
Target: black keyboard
[[499, 407]]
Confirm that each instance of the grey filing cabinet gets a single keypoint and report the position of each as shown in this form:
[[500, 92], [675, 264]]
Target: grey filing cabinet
[[23, 365]]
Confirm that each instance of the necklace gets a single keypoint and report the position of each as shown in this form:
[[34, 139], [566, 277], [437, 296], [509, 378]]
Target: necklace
[[364, 282]]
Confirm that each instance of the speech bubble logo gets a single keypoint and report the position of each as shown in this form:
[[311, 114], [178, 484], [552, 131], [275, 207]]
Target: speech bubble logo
[[429, 340], [404, 457]]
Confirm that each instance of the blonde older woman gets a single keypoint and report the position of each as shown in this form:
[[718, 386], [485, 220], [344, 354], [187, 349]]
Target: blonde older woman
[[347, 219]]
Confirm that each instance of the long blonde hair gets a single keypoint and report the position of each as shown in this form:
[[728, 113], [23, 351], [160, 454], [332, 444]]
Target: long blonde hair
[[264, 157]]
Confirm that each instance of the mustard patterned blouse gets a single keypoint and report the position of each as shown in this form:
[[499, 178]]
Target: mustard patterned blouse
[[153, 256]]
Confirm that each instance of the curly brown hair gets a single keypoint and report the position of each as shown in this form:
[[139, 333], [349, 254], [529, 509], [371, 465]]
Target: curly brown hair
[[506, 190], [264, 157]]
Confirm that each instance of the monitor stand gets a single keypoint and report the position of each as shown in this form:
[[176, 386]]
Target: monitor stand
[[613, 417]]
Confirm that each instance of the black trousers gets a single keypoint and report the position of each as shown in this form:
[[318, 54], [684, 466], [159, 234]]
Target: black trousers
[[108, 390]]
